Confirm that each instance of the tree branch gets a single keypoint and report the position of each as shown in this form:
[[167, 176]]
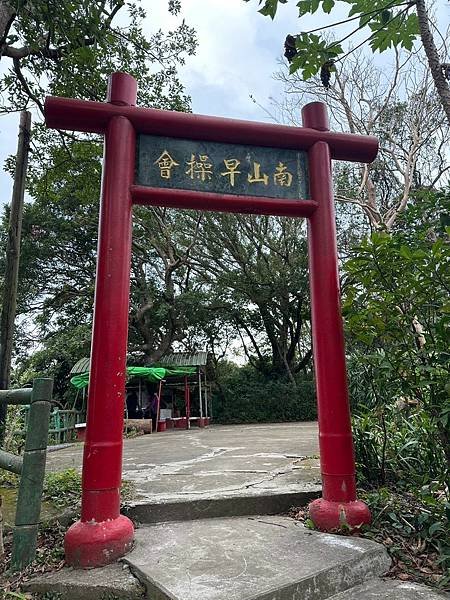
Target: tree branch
[[23, 81]]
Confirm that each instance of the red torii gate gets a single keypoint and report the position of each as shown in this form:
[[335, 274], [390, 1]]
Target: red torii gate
[[102, 534]]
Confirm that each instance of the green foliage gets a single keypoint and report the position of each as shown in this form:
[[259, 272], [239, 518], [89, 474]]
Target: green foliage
[[255, 278], [270, 7], [8, 479], [397, 316], [14, 432], [70, 48], [414, 528], [391, 25], [397, 447], [312, 53], [247, 396], [57, 274], [63, 488]]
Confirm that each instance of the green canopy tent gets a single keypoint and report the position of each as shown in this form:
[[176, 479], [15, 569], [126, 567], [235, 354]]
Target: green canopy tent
[[152, 374]]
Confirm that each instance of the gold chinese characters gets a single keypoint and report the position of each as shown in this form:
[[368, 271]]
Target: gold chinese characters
[[165, 163], [200, 168]]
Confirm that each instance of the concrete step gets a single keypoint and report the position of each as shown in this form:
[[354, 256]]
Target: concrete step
[[113, 582], [216, 472], [259, 501], [253, 558], [259, 558], [391, 589]]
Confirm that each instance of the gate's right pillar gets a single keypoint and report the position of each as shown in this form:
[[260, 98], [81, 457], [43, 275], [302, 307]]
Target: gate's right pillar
[[338, 508]]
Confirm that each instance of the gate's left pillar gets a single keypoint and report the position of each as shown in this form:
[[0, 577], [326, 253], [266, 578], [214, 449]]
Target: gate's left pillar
[[103, 534]]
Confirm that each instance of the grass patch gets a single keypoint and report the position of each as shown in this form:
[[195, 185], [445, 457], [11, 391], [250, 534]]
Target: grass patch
[[63, 489]]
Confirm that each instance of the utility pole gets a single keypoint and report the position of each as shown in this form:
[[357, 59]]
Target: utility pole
[[9, 300]]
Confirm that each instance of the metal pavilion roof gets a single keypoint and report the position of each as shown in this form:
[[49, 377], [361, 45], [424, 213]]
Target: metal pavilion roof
[[184, 359], [176, 359], [81, 366]]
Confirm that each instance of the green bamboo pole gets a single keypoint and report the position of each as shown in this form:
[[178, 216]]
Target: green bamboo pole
[[22, 396], [10, 462], [31, 483]]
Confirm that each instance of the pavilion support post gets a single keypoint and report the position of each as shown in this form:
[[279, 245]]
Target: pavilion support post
[[201, 421], [207, 407], [187, 402], [158, 409], [338, 507], [102, 534]]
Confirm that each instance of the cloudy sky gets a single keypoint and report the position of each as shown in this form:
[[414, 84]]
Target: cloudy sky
[[238, 53]]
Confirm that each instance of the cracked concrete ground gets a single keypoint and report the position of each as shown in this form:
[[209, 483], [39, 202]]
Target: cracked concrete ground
[[258, 558], [228, 472], [194, 474]]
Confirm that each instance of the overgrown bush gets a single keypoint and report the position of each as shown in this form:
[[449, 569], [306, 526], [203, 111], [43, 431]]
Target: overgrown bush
[[246, 396], [397, 447], [398, 315], [14, 431]]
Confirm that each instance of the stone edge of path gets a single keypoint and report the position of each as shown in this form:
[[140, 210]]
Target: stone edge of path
[[394, 589], [209, 508], [113, 582]]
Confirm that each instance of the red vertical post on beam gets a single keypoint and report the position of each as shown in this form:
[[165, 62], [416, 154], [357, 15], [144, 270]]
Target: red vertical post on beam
[[102, 535], [338, 506]]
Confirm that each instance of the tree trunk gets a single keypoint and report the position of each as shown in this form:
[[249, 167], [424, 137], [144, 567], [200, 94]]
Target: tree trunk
[[440, 82], [12, 262], [7, 13]]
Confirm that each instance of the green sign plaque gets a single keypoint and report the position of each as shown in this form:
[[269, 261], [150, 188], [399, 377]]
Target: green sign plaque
[[222, 168]]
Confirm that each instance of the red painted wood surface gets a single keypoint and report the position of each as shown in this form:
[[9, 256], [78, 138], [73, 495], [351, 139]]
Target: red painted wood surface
[[102, 458], [103, 534], [335, 435], [221, 202], [82, 115]]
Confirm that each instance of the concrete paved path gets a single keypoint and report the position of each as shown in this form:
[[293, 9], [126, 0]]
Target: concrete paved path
[[228, 471], [216, 471], [247, 558], [257, 558]]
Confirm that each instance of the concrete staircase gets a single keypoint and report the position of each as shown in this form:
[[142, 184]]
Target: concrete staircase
[[241, 558], [208, 505]]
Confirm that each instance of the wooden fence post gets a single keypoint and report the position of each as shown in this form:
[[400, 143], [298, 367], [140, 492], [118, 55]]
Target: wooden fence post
[[32, 480]]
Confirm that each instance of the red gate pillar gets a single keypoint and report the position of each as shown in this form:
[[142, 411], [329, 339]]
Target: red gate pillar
[[338, 506], [102, 534]]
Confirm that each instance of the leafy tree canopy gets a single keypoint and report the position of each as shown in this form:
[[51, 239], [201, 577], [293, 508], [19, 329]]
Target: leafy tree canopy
[[67, 48], [70, 49]]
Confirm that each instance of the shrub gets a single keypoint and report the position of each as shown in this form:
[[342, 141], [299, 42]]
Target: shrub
[[397, 316], [246, 396]]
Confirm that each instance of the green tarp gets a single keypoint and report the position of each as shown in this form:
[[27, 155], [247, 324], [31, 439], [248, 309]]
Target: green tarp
[[149, 373]]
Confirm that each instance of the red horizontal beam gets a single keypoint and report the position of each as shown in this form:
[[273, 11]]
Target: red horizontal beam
[[221, 202], [93, 117]]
